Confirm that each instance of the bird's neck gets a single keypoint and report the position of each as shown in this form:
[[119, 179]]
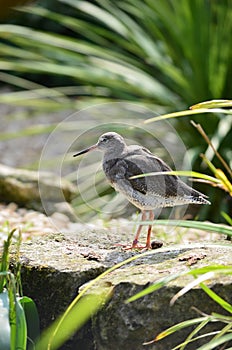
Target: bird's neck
[[114, 153]]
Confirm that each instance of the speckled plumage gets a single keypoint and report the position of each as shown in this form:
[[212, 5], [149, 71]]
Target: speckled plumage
[[121, 162]]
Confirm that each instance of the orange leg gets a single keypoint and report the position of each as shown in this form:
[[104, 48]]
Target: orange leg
[[136, 239], [135, 243], [148, 242]]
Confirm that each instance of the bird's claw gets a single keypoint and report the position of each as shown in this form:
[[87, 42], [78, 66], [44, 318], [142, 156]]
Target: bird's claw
[[140, 247]]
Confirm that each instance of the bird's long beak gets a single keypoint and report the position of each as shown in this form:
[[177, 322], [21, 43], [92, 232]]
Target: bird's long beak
[[91, 148]]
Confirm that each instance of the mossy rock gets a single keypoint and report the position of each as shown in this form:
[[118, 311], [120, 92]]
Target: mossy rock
[[57, 267]]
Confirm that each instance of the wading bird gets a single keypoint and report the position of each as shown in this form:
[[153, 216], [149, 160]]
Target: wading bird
[[121, 163]]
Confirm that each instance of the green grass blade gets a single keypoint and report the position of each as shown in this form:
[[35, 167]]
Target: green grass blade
[[204, 335], [21, 327], [186, 113], [207, 226], [212, 344], [76, 318], [96, 11], [214, 296], [32, 321], [178, 327], [4, 264], [193, 174], [79, 311], [189, 286], [11, 288], [206, 271], [155, 286], [213, 104], [222, 269], [227, 218], [193, 333], [224, 330]]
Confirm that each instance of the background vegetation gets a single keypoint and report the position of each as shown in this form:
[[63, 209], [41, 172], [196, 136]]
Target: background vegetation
[[166, 55]]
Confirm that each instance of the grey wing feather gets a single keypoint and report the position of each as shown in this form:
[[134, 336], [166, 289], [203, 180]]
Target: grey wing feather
[[160, 185], [118, 171], [138, 161]]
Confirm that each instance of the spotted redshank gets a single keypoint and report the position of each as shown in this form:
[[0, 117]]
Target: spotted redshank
[[122, 162]]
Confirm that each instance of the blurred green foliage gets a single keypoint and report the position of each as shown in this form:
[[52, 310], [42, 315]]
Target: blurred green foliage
[[161, 54], [173, 53]]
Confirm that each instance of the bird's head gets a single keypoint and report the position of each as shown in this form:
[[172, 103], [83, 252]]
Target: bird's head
[[108, 142]]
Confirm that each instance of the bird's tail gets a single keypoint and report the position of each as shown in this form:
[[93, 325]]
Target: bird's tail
[[199, 198]]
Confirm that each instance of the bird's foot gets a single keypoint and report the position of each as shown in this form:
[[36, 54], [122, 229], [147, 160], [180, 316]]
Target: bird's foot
[[149, 245], [141, 247], [133, 246]]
